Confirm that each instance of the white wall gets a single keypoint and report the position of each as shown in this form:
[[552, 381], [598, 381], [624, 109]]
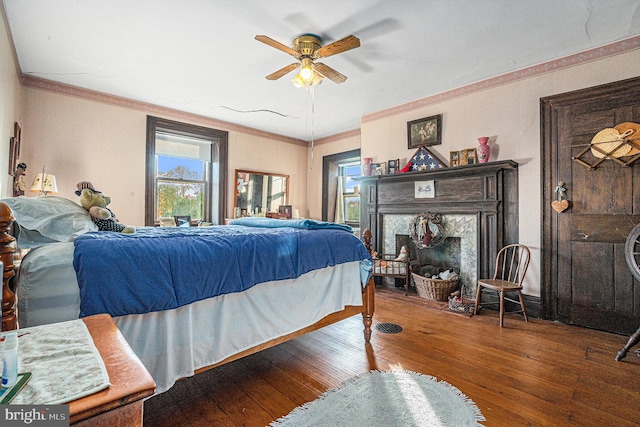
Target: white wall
[[81, 139], [10, 101], [510, 115]]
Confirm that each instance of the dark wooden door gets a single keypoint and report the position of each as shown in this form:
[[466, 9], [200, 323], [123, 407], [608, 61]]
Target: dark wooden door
[[587, 280]]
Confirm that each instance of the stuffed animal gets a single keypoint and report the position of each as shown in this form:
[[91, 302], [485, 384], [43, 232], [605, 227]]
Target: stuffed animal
[[95, 202], [404, 254]]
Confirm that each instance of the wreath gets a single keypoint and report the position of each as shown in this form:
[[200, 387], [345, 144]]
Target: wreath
[[426, 230]]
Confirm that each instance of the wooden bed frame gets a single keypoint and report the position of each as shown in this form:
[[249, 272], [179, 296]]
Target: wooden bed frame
[[9, 319]]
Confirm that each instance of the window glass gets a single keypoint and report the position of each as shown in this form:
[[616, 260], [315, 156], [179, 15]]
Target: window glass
[[176, 167], [352, 209], [349, 171], [180, 199]]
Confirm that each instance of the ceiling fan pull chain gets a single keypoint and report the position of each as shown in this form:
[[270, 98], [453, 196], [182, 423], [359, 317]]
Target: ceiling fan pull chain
[[313, 116]]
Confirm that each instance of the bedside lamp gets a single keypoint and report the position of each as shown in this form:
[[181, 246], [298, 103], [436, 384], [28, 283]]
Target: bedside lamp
[[44, 183]]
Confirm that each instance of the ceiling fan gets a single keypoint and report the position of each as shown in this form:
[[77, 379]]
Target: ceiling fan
[[306, 49]]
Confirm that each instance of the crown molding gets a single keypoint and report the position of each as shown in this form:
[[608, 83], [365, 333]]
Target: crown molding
[[338, 136]]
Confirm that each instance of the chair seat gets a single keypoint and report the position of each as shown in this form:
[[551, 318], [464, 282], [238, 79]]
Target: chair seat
[[499, 285]]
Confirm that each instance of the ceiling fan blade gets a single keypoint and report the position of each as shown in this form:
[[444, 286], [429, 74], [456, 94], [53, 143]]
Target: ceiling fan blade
[[271, 42], [282, 71], [330, 73], [347, 43]]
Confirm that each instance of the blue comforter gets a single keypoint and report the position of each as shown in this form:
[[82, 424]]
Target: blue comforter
[[167, 267]]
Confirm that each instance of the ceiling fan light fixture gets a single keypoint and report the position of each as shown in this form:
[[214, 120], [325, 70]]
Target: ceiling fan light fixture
[[306, 70], [306, 49], [315, 80], [297, 81]]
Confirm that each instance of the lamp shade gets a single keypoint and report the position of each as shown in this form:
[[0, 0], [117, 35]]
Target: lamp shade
[[44, 183]]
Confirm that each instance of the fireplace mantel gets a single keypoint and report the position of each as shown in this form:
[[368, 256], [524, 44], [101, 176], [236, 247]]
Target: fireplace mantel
[[488, 190]]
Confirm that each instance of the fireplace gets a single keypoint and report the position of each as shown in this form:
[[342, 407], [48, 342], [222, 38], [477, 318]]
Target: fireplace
[[478, 203], [459, 251]]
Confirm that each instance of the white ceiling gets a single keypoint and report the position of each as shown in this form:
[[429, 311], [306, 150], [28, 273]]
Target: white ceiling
[[200, 56]]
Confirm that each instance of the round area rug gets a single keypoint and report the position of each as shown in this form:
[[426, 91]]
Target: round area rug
[[387, 399]]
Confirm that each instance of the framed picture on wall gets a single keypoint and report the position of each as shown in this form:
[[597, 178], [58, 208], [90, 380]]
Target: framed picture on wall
[[454, 159], [285, 211], [13, 155], [392, 166], [375, 169], [424, 189], [427, 131], [14, 148], [462, 158], [472, 156]]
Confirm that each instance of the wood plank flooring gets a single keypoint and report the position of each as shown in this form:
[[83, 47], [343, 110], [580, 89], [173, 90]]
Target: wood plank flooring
[[526, 374]]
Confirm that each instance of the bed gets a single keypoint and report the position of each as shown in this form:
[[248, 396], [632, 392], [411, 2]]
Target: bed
[[176, 328]]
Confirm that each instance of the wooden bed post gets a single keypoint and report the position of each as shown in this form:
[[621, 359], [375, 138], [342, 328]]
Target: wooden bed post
[[368, 293], [368, 306], [6, 256]]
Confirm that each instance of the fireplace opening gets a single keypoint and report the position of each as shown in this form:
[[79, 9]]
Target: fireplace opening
[[445, 256]]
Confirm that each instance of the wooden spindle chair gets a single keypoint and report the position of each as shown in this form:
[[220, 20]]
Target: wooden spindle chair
[[512, 262]]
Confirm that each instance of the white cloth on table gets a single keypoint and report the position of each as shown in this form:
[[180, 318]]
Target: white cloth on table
[[64, 362]]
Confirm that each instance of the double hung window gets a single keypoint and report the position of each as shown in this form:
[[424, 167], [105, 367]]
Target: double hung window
[[186, 171]]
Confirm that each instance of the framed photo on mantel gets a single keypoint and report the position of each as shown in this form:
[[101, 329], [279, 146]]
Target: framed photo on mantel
[[427, 131]]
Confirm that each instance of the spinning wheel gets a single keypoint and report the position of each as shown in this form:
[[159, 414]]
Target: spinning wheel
[[632, 256], [632, 251]]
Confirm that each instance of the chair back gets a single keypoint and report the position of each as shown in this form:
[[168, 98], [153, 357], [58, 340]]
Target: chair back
[[511, 263]]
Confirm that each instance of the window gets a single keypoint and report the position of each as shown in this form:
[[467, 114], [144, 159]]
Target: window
[[186, 171], [347, 166], [351, 196]]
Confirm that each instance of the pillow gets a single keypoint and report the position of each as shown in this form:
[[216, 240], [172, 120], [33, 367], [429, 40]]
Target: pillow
[[29, 239], [53, 217]]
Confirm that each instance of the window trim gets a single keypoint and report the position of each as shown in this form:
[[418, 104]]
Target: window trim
[[153, 125], [327, 161]]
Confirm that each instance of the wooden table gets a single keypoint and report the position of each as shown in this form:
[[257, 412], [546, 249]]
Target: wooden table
[[121, 404]]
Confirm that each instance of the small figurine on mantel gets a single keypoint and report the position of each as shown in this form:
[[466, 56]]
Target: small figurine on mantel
[[19, 186]]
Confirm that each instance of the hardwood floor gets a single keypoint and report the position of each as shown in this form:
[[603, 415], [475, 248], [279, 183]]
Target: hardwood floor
[[526, 374]]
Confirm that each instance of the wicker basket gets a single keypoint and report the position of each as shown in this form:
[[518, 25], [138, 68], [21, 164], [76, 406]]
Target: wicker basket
[[435, 289]]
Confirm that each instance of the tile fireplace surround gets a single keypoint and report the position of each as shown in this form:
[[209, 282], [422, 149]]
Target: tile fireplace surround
[[463, 226], [479, 204]]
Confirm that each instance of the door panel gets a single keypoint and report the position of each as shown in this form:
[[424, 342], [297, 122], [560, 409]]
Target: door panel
[[587, 282]]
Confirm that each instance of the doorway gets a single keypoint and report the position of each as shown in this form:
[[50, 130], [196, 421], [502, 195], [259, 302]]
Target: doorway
[[585, 275]]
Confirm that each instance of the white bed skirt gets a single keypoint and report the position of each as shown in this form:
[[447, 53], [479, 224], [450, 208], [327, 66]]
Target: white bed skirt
[[173, 344]]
